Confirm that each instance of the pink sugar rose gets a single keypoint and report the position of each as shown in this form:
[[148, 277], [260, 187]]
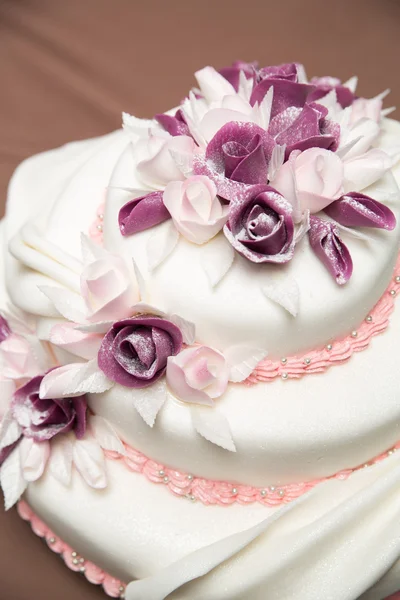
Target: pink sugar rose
[[16, 358], [107, 288], [195, 208], [310, 180], [198, 375]]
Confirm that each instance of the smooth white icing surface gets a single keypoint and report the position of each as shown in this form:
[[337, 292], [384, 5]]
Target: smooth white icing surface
[[285, 431], [338, 541]]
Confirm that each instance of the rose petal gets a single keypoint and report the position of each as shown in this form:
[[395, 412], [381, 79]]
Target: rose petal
[[142, 213], [358, 210], [329, 248]]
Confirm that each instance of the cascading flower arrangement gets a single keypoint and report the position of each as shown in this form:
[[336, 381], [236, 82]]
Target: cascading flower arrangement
[[267, 157]]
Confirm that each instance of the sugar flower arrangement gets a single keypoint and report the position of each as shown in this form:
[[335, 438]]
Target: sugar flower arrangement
[[267, 157], [260, 154]]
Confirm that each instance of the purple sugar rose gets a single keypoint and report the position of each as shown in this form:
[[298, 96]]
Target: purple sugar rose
[[241, 152], [323, 85], [288, 92], [134, 352], [5, 330], [142, 213], [260, 226], [41, 419], [330, 249], [175, 125], [358, 210], [303, 128], [232, 74]]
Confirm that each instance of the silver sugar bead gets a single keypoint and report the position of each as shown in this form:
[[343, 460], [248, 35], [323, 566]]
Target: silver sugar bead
[[121, 589], [161, 473], [190, 477], [234, 491], [397, 279], [366, 465], [354, 334], [81, 560], [52, 540], [392, 292], [281, 493], [369, 319], [74, 554], [284, 361], [82, 569], [263, 493], [75, 561], [193, 498], [307, 361], [284, 375], [272, 488], [329, 346], [101, 216], [166, 479], [100, 227]]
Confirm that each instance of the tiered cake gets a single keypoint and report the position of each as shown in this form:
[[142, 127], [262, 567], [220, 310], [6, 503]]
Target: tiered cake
[[200, 344]]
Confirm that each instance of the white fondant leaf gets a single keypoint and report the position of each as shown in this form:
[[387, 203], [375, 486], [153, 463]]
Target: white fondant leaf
[[303, 227], [187, 328], [60, 465], [142, 308], [101, 327], [74, 380], [242, 361], [388, 111], [265, 108], [351, 83], [105, 434], [69, 304], [140, 281], [11, 479], [10, 431], [341, 152], [213, 426], [183, 160], [89, 460], [7, 389], [33, 458], [216, 259], [277, 160], [149, 401], [161, 244], [285, 293]]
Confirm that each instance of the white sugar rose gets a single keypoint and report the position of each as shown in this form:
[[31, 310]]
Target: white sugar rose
[[155, 164], [195, 208], [310, 180], [198, 375]]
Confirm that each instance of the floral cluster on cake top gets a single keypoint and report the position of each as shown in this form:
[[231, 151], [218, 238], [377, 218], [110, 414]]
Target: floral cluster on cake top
[[267, 157], [260, 154]]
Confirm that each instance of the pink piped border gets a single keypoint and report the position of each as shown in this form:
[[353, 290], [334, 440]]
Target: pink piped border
[[336, 352], [113, 587], [223, 493]]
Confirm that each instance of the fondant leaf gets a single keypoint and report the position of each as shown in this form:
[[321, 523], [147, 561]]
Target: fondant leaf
[[277, 160], [216, 259], [89, 460], [149, 401], [285, 293], [60, 464], [105, 434], [12, 482], [242, 361], [74, 380], [213, 426], [187, 328], [161, 244], [34, 457], [69, 304], [10, 431]]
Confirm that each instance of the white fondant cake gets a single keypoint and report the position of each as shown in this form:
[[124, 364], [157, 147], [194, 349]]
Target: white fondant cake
[[199, 343]]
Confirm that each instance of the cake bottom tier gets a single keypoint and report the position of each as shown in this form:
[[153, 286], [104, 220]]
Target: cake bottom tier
[[340, 541]]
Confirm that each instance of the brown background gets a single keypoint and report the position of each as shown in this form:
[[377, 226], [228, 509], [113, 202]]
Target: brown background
[[69, 67]]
